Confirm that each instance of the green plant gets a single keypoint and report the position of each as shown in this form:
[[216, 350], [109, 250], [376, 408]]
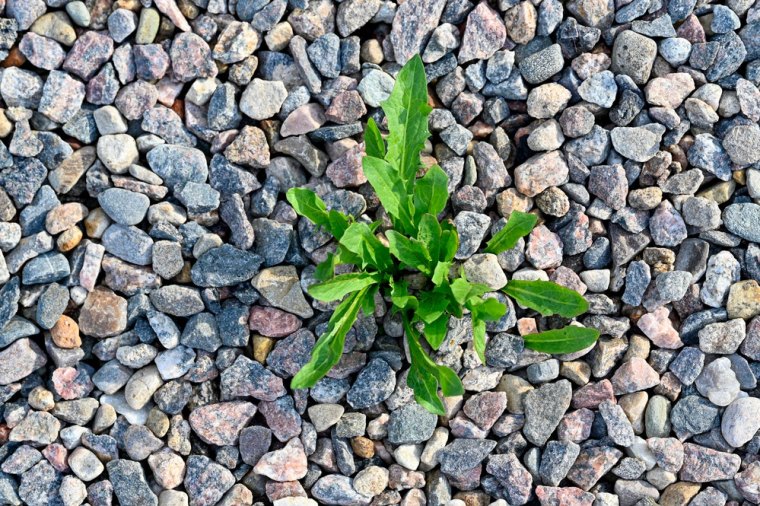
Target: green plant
[[418, 242]]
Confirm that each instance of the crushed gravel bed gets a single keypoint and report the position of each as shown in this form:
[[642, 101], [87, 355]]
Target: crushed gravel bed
[[153, 303]]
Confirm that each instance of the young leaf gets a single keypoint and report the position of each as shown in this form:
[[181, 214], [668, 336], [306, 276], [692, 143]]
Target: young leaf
[[411, 252], [407, 111], [337, 287], [435, 332], [441, 273], [400, 295], [429, 234], [338, 223], [308, 204], [567, 340], [373, 141], [425, 390], [479, 338], [390, 189], [431, 191], [547, 298], [488, 309], [325, 270], [368, 302], [449, 245], [431, 307], [519, 225], [360, 240], [329, 347]]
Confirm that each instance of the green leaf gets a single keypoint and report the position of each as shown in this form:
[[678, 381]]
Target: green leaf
[[435, 332], [429, 234], [326, 270], [425, 390], [407, 111], [488, 309], [373, 141], [451, 385], [411, 252], [368, 302], [519, 225], [329, 347], [432, 306], [308, 204], [449, 245], [567, 340], [460, 289], [400, 295], [390, 189], [337, 287], [338, 223], [441, 273], [479, 338], [547, 298], [431, 191], [425, 375], [360, 240]]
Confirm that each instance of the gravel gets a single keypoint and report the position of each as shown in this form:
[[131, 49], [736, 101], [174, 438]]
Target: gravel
[[153, 278]]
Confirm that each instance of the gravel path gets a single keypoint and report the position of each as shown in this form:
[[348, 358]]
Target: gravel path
[[152, 275]]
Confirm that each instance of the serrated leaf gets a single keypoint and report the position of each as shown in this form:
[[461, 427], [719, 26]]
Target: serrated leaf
[[411, 252], [329, 347], [547, 298], [435, 332], [308, 204], [373, 141], [390, 189], [519, 225], [339, 286], [407, 111], [431, 191], [567, 340]]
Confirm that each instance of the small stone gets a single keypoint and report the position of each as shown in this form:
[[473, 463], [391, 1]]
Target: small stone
[[484, 34], [411, 424], [718, 382], [633, 55], [220, 424], [704, 464], [287, 464], [374, 384]]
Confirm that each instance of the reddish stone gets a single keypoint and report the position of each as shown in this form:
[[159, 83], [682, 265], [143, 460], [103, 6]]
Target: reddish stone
[[576, 426], [273, 322], [701, 464], [287, 464], [103, 314], [347, 170], [592, 464], [90, 51], [191, 58], [220, 424], [659, 329], [57, 454], [633, 376], [485, 408], [593, 394], [563, 496], [71, 383]]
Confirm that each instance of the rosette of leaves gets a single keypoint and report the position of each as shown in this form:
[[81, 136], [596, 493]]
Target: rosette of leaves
[[418, 243]]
